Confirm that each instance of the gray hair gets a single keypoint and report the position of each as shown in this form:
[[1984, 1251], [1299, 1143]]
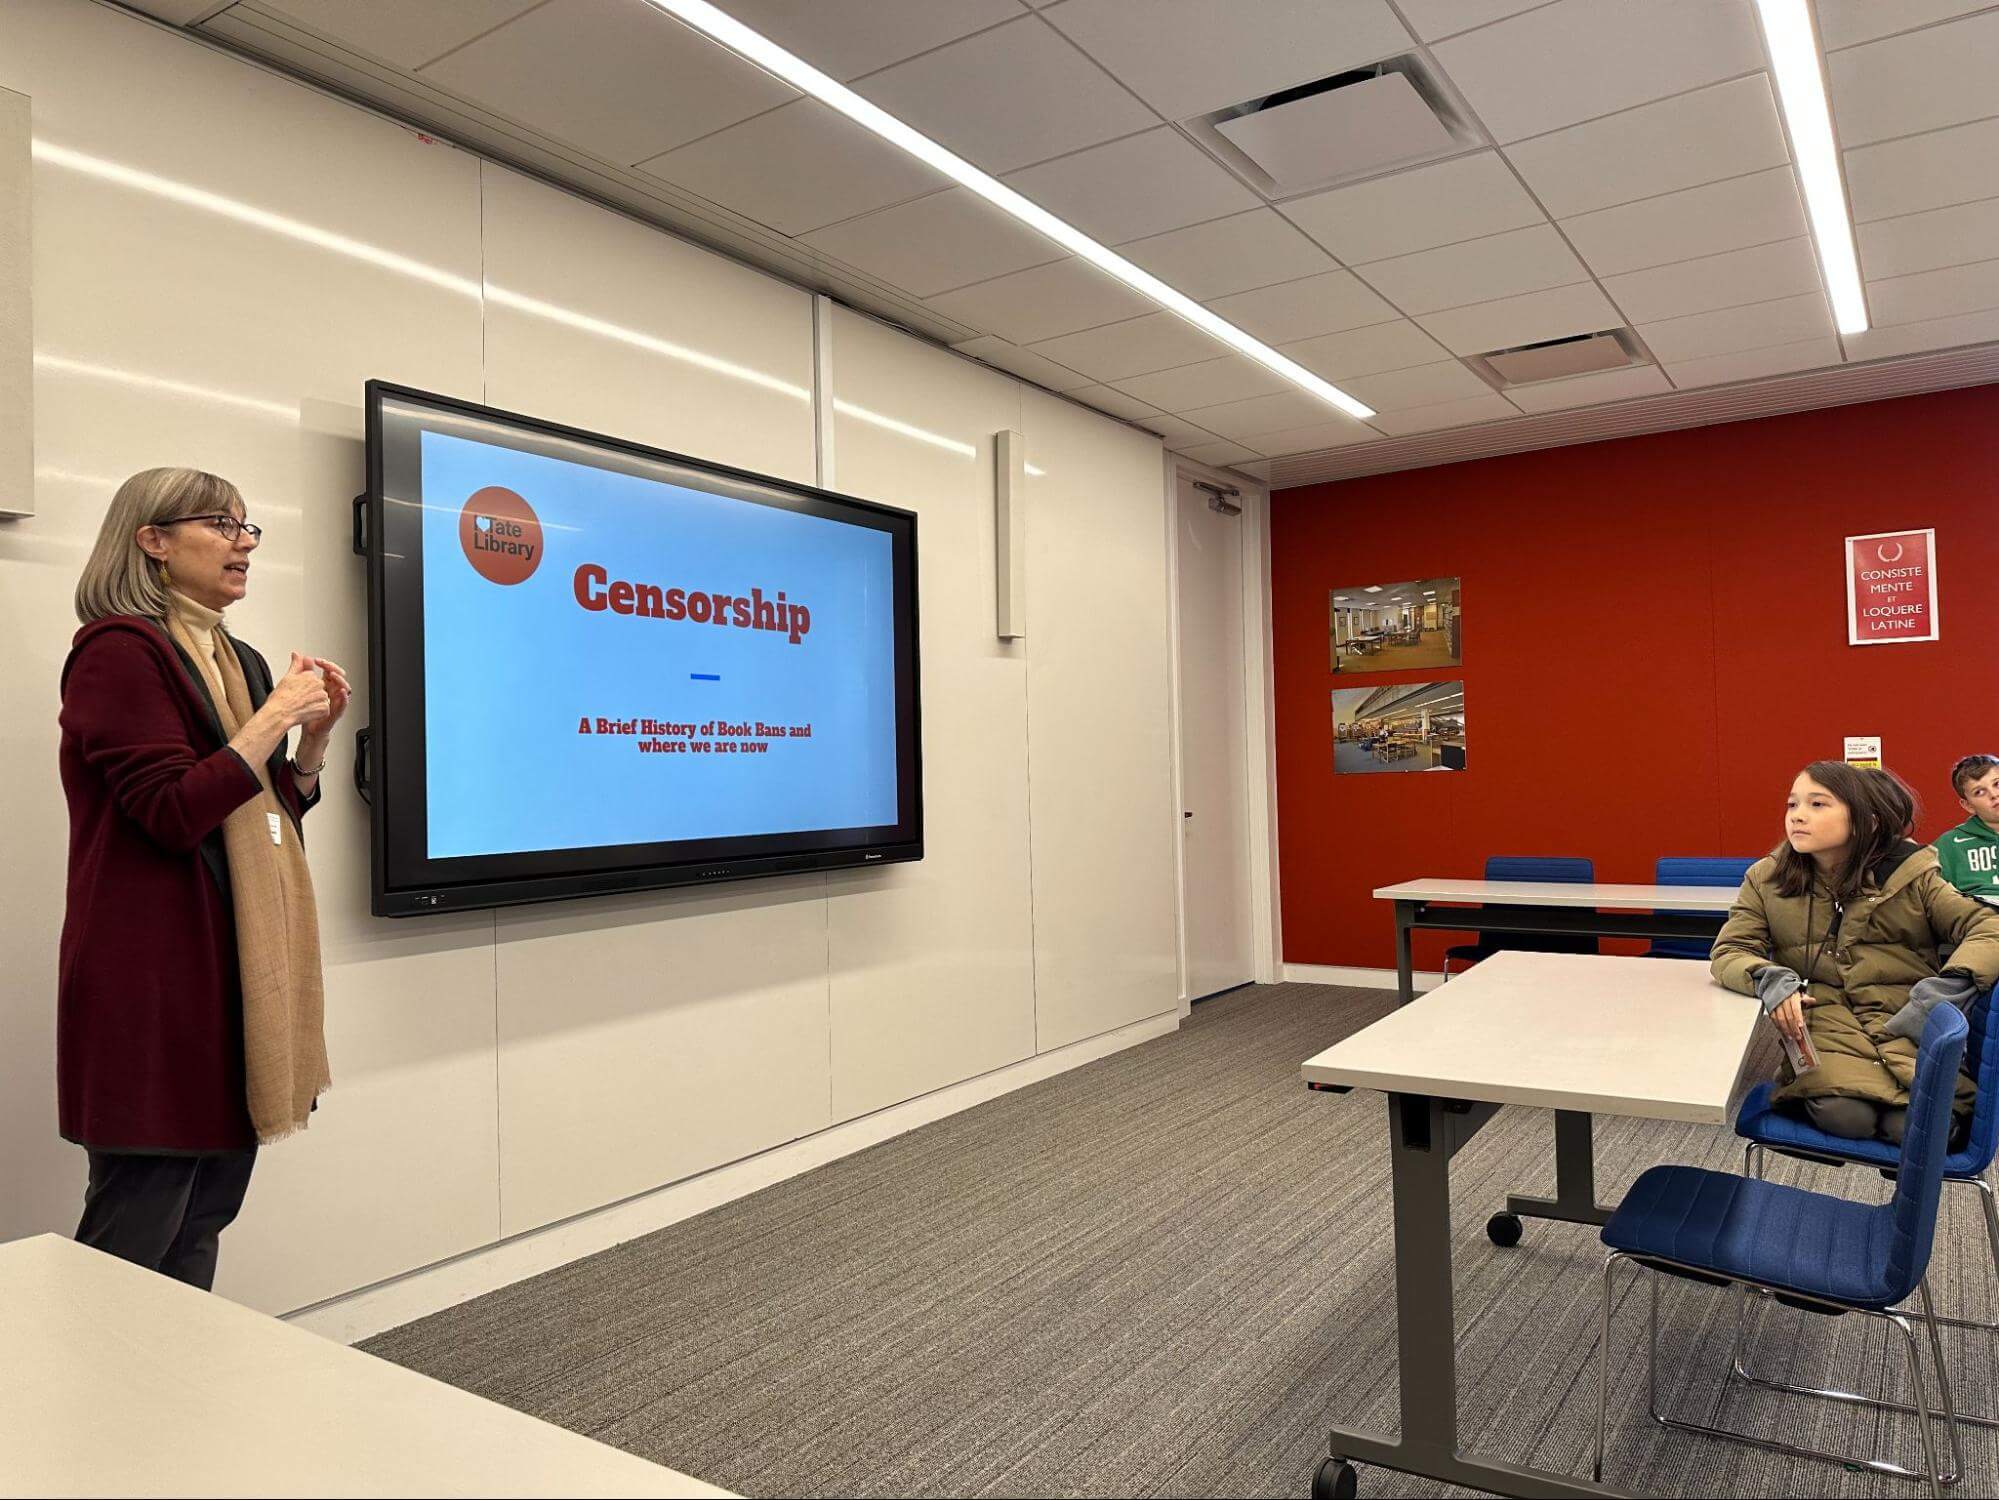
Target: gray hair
[[119, 579]]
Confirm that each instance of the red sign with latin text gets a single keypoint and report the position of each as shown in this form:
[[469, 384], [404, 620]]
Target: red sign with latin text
[[1891, 588]]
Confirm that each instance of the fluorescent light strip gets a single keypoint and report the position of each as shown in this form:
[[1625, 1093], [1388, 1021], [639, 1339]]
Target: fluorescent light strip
[[1794, 56], [773, 59]]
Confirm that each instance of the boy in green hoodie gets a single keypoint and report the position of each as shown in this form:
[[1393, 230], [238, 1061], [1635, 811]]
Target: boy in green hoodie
[[1968, 855]]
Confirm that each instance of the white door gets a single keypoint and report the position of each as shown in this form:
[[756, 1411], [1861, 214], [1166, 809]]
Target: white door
[[1214, 788]]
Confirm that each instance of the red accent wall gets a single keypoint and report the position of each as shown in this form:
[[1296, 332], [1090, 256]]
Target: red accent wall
[[1654, 644]]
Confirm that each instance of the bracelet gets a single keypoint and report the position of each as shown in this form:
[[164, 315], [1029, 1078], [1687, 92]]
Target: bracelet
[[299, 770]]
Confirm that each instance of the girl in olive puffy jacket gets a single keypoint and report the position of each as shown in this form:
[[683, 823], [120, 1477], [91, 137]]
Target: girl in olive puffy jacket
[[1847, 931]]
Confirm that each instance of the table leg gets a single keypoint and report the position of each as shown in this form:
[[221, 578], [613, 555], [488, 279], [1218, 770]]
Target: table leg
[[1422, 1136], [1405, 963], [1575, 1176]]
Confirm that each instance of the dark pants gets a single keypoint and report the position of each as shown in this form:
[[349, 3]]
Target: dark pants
[[165, 1213]]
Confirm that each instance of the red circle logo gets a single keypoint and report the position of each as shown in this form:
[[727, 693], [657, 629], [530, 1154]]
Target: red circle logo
[[501, 535]]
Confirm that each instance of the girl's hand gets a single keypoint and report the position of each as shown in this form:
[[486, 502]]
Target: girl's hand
[[1790, 1018]]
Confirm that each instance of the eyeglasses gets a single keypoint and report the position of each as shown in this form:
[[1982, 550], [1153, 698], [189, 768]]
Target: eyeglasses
[[229, 526]]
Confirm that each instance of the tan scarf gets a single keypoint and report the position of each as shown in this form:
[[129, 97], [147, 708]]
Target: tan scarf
[[277, 920]]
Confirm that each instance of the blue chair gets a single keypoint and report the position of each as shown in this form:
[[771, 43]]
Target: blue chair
[[1675, 870], [1807, 1250], [1559, 870], [1765, 1128]]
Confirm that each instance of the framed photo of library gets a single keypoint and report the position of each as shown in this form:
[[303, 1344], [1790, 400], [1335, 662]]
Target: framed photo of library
[[1403, 726], [1396, 627]]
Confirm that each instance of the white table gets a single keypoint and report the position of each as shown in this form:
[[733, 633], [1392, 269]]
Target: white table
[[1576, 1033], [1648, 911], [117, 1381]]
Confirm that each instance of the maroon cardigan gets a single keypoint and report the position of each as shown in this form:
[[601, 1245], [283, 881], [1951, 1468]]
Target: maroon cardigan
[[149, 1012]]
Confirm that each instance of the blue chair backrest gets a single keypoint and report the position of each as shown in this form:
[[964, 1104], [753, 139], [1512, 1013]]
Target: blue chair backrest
[[1675, 869], [1538, 868], [1981, 1060], [1919, 1178]]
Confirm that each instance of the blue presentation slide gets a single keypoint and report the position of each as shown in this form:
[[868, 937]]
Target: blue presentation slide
[[616, 660]]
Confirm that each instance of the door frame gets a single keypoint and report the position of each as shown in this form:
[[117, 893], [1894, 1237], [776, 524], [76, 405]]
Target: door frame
[[1259, 726]]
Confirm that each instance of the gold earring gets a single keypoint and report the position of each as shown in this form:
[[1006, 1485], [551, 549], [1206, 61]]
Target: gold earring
[[166, 577]]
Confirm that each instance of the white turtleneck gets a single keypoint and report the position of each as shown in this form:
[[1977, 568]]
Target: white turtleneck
[[204, 624]]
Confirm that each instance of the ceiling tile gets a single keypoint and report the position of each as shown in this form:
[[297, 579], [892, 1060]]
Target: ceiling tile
[[1008, 97], [1934, 294], [1500, 265], [1219, 454], [588, 72], [1141, 185], [394, 30], [1245, 421], [1514, 321], [1116, 402], [1213, 53], [1582, 58], [1299, 309], [1023, 362], [1228, 255], [797, 169], [1589, 390], [1155, 342], [1847, 23], [1705, 136], [1733, 329], [1754, 364], [846, 38], [1932, 333], [1048, 300], [1366, 351], [1951, 236], [1460, 199], [1420, 385], [1486, 408], [1730, 215], [934, 244], [1178, 432], [1925, 171], [1928, 79], [1212, 381], [1338, 433], [1433, 20], [1760, 274]]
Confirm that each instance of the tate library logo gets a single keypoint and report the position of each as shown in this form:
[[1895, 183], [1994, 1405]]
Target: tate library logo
[[501, 535]]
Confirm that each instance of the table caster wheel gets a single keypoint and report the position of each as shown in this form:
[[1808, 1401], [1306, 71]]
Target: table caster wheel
[[1503, 1229], [1335, 1480]]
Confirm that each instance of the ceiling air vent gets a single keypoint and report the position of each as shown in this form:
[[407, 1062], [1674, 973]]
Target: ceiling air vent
[[1557, 359], [1353, 125]]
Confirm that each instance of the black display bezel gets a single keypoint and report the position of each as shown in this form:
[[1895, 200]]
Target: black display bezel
[[405, 880]]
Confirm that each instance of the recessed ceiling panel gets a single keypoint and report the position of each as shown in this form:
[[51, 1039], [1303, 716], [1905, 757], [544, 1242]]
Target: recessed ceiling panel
[[1700, 137], [1531, 319], [1293, 310], [1590, 390], [1356, 130], [1427, 206], [1953, 236], [1486, 408], [1924, 171], [1023, 362], [1365, 351], [1500, 265], [1579, 59], [1734, 329], [1754, 364], [1433, 20], [1932, 333], [393, 30], [1337, 433], [1062, 297], [1229, 255], [797, 168], [1246, 420], [1733, 215], [946, 240], [1142, 185], [1847, 23], [1421, 385], [621, 81], [1155, 342], [1763, 273], [1925, 80], [1008, 97], [846, 38], [1193, 56], [1935, 294], [1209, 383]]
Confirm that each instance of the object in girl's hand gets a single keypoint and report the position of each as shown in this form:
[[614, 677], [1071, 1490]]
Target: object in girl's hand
[[1799, 1052]]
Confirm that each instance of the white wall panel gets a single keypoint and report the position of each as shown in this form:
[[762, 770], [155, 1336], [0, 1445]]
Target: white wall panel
[[600, 322], [1099, 751], [646, 1038], [172, 329], [932, 962]]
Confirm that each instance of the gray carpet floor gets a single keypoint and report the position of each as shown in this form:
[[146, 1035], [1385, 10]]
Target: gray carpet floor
[[1168, 1273]]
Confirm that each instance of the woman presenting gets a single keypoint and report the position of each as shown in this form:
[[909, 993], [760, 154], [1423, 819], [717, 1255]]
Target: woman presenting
[[189, 1005]]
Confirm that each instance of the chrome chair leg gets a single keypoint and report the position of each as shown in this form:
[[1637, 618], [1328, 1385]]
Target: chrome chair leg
[[1936, 1479], [1603, 1367], [1943, 1384]]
